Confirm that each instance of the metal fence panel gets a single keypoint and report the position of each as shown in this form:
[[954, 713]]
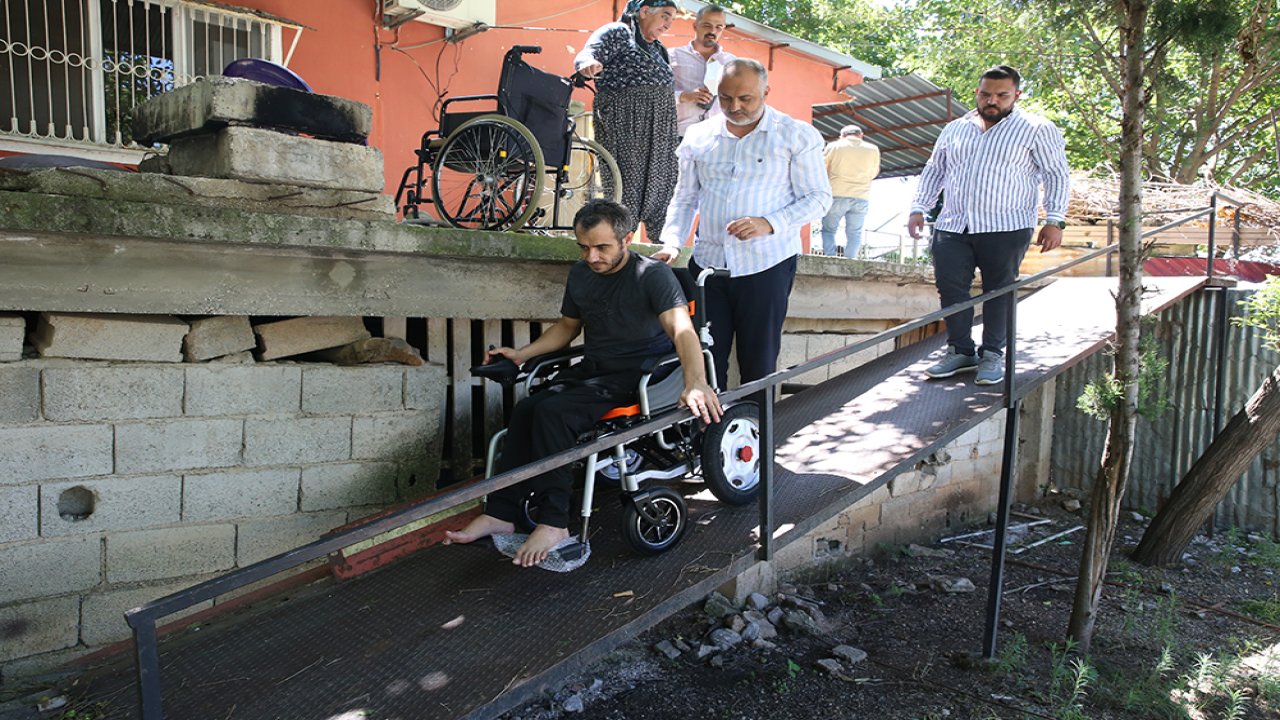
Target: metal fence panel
[[1168, 446]]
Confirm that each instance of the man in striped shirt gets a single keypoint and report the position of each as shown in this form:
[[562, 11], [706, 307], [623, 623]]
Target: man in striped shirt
[[989, 165], [756, 177]]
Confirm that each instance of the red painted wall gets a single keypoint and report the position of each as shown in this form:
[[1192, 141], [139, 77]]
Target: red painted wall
[[337, 57]]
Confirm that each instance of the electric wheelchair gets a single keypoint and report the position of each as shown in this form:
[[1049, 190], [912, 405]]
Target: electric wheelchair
[[487, 170], [726, 454]]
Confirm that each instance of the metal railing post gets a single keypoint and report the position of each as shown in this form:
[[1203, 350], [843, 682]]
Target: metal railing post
[[764, 398], [1220, 360], [995, 587], [1235, 232], [147, 650]]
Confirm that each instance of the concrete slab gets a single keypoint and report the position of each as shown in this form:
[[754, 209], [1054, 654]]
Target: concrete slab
[[236, 195], [257, 155], [215, 102], [153, 338]]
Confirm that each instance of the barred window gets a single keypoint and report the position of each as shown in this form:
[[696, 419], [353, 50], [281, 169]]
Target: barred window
[[71, 71]]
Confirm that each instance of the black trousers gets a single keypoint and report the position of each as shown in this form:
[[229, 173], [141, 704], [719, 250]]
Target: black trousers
[[751, 309], [548, 422], [997, 255]]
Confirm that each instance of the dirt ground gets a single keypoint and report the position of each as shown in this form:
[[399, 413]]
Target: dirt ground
[[1198, 641]]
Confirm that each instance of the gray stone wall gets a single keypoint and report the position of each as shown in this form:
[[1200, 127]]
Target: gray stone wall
[[120, 483]]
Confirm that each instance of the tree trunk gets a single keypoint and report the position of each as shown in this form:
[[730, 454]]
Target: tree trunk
[[1227, 458], [1109, 484]]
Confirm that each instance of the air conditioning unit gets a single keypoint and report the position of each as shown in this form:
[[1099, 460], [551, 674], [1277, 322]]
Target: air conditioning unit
[[455, 14]]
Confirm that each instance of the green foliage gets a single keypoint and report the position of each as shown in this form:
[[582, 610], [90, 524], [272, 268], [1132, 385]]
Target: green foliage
[[1105, 393], [1262, 312], [1211, 82], [1266, 610], [1012, 656], [1070, 681]]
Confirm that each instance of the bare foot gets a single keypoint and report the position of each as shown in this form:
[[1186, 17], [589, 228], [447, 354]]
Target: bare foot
[[541, 540], [483, 526]]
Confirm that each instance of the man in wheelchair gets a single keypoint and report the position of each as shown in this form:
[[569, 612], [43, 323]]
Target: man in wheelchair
[[631, 308]]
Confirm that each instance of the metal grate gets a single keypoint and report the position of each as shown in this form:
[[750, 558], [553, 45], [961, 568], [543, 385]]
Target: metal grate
[[72, 71]]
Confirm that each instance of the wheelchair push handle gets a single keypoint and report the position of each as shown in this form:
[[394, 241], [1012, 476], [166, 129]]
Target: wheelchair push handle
[[525, 50]]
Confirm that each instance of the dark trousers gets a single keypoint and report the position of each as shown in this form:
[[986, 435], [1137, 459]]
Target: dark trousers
[[548, 422], [997, 255], [752, 309]]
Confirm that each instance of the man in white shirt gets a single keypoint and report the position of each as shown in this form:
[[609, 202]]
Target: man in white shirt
[[989, 165], [694, 100], [756, 177]]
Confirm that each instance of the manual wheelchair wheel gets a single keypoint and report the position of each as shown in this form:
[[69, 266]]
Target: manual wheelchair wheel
[[731, 455], [488, 174], [655, 523]]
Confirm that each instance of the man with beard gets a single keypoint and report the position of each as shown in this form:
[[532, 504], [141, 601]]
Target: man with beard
[[989, 165], [757, 177], [630, 308], [694, 101]]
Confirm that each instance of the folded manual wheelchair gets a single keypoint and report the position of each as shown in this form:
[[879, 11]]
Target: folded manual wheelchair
[[726, 454], [487, 170]]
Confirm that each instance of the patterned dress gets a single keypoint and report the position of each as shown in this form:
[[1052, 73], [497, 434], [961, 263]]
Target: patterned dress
[[636, 118]]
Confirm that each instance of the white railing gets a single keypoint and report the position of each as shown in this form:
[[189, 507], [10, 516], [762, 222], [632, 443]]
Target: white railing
[[71, 71]]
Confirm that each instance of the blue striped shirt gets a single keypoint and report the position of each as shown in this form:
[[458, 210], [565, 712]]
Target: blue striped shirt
[[992, 178], [775, 172]]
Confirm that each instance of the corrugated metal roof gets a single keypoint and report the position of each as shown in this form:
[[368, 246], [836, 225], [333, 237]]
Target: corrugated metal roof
[[1246, 270], [901, 115]]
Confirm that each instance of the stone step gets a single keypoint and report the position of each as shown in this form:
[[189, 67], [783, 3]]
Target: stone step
[[267, 156], [92, 336], [286, 338], [211, 104]]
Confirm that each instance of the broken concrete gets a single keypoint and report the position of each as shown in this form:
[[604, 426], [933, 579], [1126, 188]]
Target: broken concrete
[[144, 338], [218, 336], [216, 102], [257, 155], [374, 350], [302, 335]]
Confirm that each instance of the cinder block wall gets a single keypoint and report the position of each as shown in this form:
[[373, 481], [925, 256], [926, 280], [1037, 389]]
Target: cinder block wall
[[956, 487], [120, 483]]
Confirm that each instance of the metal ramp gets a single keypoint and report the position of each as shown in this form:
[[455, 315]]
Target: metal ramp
[[459, 632]]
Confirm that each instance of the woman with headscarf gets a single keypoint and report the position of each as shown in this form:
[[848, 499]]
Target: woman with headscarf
[[635, 106]]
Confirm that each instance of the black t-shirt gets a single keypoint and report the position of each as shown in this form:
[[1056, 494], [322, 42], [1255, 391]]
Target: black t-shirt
[[619, 311]]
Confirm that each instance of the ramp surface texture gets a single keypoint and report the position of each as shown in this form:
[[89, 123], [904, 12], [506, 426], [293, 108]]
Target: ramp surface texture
[[458, 631]]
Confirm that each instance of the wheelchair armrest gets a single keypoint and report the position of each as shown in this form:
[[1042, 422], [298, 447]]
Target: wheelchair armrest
[[538, 367], [555, 356], [653, 363], [464, 98]]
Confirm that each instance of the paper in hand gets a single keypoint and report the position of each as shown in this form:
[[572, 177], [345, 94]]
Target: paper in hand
[[712, 77]]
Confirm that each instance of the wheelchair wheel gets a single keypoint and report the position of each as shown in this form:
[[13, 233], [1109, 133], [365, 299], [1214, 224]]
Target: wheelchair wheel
[[593, 173], [731, 455], [658, 523], [488, 174]]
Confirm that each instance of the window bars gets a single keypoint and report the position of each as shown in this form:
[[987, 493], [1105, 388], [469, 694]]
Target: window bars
[[71, 71]]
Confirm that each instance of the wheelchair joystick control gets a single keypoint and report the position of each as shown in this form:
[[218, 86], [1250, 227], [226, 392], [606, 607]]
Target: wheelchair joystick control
[[501, 368]]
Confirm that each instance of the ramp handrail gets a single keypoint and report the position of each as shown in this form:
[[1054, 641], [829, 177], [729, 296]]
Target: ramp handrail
[[143, 619]]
